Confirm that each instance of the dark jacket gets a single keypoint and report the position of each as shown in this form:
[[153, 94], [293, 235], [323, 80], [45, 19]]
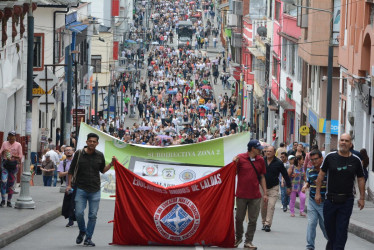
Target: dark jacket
[[273, 170]]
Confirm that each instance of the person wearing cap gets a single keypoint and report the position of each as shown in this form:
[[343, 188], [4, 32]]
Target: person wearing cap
[[274, 167], [48, 168], [11, 153], [250, 170]]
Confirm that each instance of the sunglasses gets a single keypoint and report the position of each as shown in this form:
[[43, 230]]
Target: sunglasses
[[342, 168]]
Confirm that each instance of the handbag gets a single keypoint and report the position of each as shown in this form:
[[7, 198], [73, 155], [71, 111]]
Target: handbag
[[10, 165], [258, 176]]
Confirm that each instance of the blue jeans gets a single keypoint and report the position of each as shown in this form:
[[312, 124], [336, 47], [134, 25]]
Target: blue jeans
[[47, 180], [315, 215], [336, 222], [81, 199], [55, 177], [285, 198]]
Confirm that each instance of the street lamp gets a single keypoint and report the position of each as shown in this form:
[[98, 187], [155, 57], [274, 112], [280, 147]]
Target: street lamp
[[329, 72]]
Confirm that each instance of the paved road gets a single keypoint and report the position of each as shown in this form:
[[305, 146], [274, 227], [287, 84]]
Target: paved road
[[287, 233]]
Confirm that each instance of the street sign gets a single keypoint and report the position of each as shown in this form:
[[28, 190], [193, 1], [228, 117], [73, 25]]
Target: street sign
[[85, 97], [304, 130], [231, 80], [43, 101], [81, 116], [46, 84]]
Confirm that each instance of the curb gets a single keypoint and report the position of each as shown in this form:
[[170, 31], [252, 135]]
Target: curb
[[357, 228], [29, 226]]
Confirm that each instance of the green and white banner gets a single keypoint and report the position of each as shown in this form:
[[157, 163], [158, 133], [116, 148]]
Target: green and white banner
[[166, 166]]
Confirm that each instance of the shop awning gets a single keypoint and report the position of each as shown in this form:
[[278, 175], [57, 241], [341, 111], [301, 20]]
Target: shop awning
[[76, 26], [257, 53], [221, 6]]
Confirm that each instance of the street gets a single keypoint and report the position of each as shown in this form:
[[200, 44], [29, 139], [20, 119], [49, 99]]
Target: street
[[287, 234]]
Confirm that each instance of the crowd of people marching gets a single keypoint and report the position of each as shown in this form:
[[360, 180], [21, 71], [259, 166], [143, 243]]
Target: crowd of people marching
[[175, 100]]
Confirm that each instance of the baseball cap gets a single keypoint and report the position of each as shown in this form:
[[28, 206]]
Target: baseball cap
[[291, 157], [254, 144], [12, 132]]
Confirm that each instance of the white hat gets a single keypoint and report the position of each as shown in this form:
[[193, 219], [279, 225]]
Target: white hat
[[291, 157]]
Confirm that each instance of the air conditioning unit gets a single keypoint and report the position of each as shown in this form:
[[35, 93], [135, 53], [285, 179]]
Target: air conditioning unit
[[237, 8], [369, 1], [351, 118], [236, 40], [232, 20]]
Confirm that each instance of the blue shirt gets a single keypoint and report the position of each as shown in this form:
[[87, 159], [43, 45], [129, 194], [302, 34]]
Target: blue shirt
[[312, 177]]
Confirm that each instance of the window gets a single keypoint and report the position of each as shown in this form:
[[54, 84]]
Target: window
[[38, 51], [96, 63], [59, 45], [277, 10], [275, 67], [284, 53], [291, 58]]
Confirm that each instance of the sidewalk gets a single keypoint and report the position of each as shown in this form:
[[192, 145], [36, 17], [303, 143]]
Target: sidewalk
[[361, 223], [16, 223]]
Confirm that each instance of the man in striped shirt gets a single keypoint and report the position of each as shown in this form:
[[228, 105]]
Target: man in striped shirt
[[315, 211]]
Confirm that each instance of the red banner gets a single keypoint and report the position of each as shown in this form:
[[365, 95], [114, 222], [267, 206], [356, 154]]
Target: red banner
[[115, 7], [115, 50], [195, 213]]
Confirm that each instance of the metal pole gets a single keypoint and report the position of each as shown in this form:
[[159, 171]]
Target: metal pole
[[251, 117], [265, 113], [115, 101], [109, 95], [121, 112], [25, 200], [76, 97], [96, 100], [329, 88], [46, 97], [69, 97]]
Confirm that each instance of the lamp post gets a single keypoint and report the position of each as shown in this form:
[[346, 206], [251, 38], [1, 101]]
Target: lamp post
[[25, 200], [329, 72]]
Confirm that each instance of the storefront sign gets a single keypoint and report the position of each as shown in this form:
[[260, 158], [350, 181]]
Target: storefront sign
[[334, 126], [304, 130], [313, 119]]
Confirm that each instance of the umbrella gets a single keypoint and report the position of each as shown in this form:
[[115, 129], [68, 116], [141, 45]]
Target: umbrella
[[192, 2], [153, 62], [164, 137], [154, 43], [144, 128], [264, 144], [173, 92], [206, 87], [289, 147], [204, 106], [130, 41], [170, 130]]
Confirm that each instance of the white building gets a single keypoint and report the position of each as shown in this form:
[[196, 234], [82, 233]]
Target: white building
[[13, 58]]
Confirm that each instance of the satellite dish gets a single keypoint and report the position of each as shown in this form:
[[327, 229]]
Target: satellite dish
[[262, 31]]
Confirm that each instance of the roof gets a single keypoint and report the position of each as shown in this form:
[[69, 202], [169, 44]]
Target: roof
[[103, 28], [58, 2]]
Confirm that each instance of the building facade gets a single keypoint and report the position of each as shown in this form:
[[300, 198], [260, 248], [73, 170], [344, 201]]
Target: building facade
[[356, 60]]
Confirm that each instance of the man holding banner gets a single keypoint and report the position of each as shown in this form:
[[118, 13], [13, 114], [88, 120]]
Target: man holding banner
[[250, 171]]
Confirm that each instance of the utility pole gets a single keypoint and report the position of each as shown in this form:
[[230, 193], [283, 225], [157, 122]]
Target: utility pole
[[96, 99], [69, 98], [76, 96], [25, 200]]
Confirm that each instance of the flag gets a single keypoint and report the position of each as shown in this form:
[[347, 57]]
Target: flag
[[195, 213]]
